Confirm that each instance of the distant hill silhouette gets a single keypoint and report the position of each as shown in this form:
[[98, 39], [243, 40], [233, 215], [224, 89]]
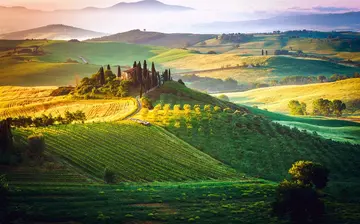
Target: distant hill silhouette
[[323, 22], [156, 38], [52, 32]]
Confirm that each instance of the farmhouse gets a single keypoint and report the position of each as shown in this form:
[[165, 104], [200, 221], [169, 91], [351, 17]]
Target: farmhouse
[[128, 74]]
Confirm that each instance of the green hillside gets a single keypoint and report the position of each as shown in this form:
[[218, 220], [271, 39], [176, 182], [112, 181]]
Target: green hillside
[[134, 152], [255, 145]]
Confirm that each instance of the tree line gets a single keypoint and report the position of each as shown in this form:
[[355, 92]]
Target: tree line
[[321, 107], [46, 120]]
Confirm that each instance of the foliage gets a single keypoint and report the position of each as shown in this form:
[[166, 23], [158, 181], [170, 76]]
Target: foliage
[[298, 201], [297, 108], [36, 145], [326, 107], [223, 97], [146, 103], [47, 120], [310, 173], [236, 38], [109, 176], [181, 82], [299, 198]]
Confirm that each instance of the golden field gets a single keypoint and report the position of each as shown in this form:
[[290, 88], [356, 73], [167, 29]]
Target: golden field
[[277, 98], [35, 101]]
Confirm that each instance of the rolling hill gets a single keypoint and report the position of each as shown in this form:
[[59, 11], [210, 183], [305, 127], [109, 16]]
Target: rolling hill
[[277, 98], [156, 38], [52, 32], [248, 141]]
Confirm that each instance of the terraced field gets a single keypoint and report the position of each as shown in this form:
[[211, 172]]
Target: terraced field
[[135, 152]]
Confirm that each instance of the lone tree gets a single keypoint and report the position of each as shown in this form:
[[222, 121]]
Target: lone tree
[[109, 176], [299, 198]]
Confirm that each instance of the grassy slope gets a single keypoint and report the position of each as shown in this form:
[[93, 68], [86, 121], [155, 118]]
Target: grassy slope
[[256, 146], [277, 98], [135, 152]]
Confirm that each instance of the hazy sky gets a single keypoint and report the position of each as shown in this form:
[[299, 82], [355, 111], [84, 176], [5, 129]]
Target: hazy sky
[[231, 5]]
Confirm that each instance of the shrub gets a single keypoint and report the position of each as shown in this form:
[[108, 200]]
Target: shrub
[[208, 108], [310, 173], [36, 145], [146, 103], [217, 109], [166, 109], [181, 82], [224, 97], [177, 109], [109, 176]]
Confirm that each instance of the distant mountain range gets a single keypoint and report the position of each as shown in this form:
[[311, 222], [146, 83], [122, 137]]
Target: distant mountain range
[[145, 5], [321, 22], [20, 18], [52, 32], [156, 38]]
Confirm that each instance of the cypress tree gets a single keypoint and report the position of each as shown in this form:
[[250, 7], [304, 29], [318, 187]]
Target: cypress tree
[[145, 76], [108, 68], [101, 76], [139, 74], [169, 75], [119, 72], [134, 65], [153, 76], [262, 52]]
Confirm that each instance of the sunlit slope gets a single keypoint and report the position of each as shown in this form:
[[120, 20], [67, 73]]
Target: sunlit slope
[[135, 152], [28, 101], [277, 98], [253, 144]]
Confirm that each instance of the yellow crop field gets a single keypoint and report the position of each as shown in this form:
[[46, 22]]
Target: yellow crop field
[[277, 98], [35, 101]]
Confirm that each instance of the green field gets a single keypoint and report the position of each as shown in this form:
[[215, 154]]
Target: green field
[[337, 130], [135, 152], [51, 69]]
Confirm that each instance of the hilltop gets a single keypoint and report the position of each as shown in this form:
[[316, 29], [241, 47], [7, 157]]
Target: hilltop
[[157, 38], [52, 32]]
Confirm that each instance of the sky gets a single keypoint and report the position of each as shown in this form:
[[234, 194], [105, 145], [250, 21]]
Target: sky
[[231, 5]]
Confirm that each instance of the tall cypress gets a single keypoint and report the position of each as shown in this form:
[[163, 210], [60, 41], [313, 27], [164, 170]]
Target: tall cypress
[[153, 76], [262, 52], [145, 76], [139, 74], [108, 68], [119, 72], [169, 77], [158, 78], [101, 76], [134, 65]]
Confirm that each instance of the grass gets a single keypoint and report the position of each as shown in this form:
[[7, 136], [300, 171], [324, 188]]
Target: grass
[[31, 101], [277, 98], [246, 201], [50, 69], [135, 152]]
